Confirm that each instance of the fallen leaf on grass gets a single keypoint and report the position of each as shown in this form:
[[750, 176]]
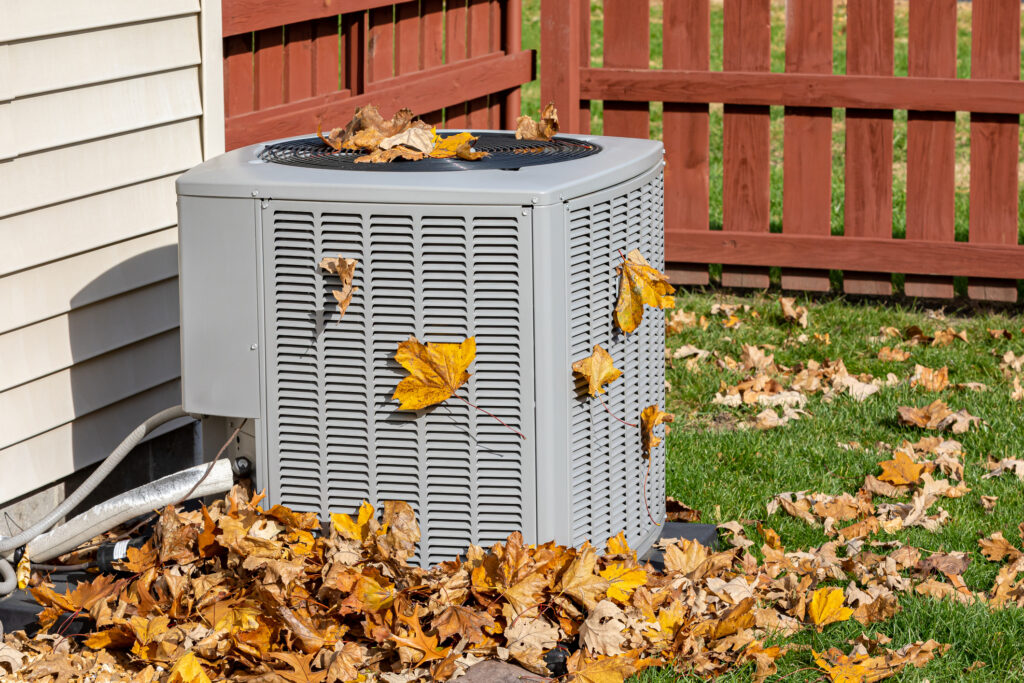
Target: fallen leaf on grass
[[997, 468], [793, 313], [1000, 334], [893, 354], [996, 548], [901, 470], [827, 607], [938, 416], [542, 131], [948, 336], [640, 283], [681, 320], [436, 371], [602, 632], [989, 503], [929, 379], [1017, 393]]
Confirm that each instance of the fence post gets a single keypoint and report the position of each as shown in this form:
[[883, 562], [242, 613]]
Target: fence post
[[687, 45], [807, 138], [930, 141], [560, 30], [513, 23], [868, 211], [627, 44], [746, 163], [995, 53]]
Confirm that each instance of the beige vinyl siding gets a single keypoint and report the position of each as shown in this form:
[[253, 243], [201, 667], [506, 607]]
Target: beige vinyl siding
[[102, 105]]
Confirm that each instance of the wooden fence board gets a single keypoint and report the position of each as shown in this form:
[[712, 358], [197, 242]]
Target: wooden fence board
[[995, 53], [433, 89], [239, 95], [745, 155], [687, 45], [821, 90], [478, 39], [868, 204], [513, 42], [380, 44], [456, 19], [407, 38], [327, 46], [807, 138], [431, 46], [560, 29], [244, 16], [846, 253], [269, 65], [298, 61], [627, 43], [930, 139], [353, 39]]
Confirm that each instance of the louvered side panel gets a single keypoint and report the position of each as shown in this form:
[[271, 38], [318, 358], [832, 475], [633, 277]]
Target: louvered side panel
[[606, 467], [441, 275], [295, 304]]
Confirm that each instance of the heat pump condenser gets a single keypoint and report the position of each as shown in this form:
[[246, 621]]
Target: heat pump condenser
[[518, 250]]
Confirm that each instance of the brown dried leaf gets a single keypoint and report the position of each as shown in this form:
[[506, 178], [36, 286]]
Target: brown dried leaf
[[547, 128]]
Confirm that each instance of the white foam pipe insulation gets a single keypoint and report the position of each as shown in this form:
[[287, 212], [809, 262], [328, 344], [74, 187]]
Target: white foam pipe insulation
[[8, 579], [108, 514]]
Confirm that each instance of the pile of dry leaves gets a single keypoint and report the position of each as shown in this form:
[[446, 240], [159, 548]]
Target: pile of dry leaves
[[405, 137], [236, 591]]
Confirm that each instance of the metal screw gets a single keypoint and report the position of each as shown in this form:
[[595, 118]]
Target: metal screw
[[252, 347], [536, 199], [255, 193], [525, 212]]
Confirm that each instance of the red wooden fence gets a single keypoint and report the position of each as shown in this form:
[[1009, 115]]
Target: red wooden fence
[[867, 251], [289, 64]]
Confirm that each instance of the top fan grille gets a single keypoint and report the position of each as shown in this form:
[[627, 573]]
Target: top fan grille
[[505, 152]]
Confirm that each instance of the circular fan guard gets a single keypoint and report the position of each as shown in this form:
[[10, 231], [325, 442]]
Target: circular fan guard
[[505, 152]]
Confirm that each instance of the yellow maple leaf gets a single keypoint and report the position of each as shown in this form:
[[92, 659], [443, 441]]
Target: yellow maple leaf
[[901, 470], [618, 545], [827, 607], [640, 283], [598, 369], [374, 595], [651, 417], [445, 148], [418, 640], [356, 530], [188, 670], [623, 580], [579, 580], [603, 669], [436, 371]]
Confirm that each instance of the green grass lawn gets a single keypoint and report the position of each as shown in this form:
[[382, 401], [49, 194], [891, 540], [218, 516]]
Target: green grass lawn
[[729, 473], [531, 103]]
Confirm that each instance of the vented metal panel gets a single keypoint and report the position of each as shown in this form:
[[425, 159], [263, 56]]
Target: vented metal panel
[[607, 468], [334, 435]]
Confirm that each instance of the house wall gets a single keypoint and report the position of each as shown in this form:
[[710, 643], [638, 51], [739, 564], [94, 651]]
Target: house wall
[[102, 104]]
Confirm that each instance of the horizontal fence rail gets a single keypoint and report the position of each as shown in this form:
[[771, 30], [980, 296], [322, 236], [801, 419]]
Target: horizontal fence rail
[[867, 252], [290, 65]]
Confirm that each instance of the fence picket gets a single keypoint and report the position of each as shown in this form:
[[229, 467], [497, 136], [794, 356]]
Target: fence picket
[[239, 92], [269, 65], [353, 38], [627, 44], [869, 139], [298, 61], [327, 46], [512, 25], [745, 154], [930, 140], [407, 37], [380, 45], [456, 24], [563, 24], [995, 53], [687, 45], [431, 46], [479, 43], [807, 138]]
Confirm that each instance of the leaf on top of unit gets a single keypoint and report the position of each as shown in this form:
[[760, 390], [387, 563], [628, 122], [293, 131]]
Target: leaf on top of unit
[[542, 131]]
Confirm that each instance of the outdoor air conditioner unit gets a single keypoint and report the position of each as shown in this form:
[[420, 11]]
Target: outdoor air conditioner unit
[[519, 250]]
